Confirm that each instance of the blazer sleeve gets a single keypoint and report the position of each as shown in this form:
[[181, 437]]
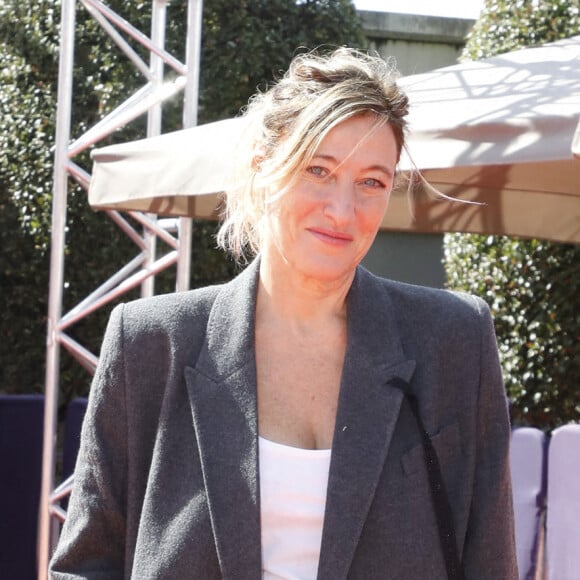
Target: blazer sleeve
[[489, 550], [92, 542]]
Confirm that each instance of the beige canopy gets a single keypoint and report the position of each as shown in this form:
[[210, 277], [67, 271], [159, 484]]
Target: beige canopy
[[499, 131]]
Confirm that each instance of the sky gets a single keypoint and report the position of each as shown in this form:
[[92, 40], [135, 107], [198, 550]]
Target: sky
[[448, 8]]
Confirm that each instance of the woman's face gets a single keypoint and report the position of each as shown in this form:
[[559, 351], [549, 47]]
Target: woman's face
[[325, 224]]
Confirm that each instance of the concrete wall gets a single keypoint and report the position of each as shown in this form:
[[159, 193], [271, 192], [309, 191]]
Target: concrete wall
[[418, 44]]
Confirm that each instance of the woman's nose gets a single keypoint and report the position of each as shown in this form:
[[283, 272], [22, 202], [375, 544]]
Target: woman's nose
[[340, 202]]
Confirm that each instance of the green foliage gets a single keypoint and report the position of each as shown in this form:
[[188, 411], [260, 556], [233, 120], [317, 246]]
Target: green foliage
[[257, 40], [532, 289], [23, 287], [532, 286], [244, 45], [506, 25]]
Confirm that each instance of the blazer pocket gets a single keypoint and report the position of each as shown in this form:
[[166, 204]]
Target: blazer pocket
[[446, 443]]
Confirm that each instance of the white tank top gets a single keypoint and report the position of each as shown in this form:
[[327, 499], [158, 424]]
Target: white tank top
[[293, 485]]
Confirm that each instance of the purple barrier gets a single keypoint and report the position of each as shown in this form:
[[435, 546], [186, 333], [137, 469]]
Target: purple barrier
[[563, 512], [21, 432], [527, 462], [75, 414]]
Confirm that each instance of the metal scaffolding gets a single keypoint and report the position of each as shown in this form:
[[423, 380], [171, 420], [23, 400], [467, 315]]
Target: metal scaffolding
[[141, 270]]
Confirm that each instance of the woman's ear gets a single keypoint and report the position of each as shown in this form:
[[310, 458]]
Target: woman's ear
[[258, 158]]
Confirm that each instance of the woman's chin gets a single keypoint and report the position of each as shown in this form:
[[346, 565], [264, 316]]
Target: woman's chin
[[328, 271]]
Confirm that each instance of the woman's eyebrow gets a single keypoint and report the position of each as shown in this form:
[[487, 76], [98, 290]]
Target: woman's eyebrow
[[325, 156], [375, 167], [382, 168]]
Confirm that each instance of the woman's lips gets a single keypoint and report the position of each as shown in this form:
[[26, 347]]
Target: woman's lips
[[331, 236]]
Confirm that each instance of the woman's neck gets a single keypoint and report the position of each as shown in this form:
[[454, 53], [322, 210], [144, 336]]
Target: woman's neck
[[288, 296]]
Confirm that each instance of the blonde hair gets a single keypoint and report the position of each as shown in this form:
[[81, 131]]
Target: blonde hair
[[288, 123]]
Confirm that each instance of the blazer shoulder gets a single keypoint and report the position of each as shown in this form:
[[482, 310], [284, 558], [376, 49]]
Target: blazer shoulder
[[427, 295], [434, 307], [167, 312]]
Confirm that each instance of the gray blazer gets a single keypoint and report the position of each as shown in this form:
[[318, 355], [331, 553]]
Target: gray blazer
[[166, 484]]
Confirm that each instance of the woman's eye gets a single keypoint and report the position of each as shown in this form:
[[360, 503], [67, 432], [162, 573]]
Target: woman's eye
[[372, 182], [317, 171]]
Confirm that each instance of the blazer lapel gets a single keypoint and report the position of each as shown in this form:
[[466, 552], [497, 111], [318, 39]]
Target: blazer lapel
[[222, 391], [367, 413]]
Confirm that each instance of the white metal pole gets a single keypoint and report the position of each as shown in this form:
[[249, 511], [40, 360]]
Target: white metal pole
[[46, 535], [190, 108], [192, 62], [154, 116], [48, 525]]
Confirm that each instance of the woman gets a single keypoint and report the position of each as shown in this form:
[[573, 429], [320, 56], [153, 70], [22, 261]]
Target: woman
[[307, 419]]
